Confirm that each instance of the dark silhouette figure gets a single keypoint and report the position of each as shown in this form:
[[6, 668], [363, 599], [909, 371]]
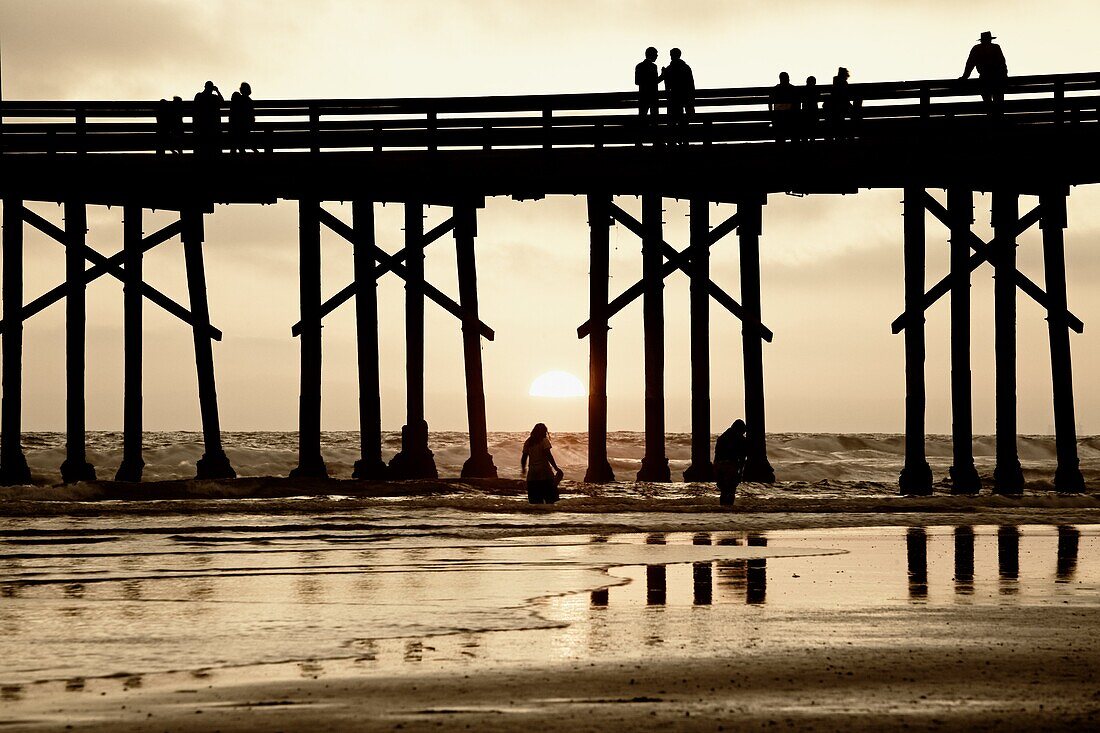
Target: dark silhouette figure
[[989, 60], [170, 125], [731, 451], [208, 118], [242, 116], [543, 474], [784, 107], [647, 78], [680, 84], [808, 111], [838, 105], [175, 127]]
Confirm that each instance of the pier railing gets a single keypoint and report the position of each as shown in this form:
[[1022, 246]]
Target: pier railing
[[880, 110]]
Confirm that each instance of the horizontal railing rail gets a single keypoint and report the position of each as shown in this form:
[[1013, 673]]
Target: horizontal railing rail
[[544, 121]]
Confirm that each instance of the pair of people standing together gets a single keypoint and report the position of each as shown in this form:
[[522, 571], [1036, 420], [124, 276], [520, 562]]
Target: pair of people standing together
[[679, 83]]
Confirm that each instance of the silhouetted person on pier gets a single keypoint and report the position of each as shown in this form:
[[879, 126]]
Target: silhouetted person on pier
[[242, 116], [647, 78], [731, 452], [989, 60], [208, 118], [784, 106], [808, 111], [680, 84], [537, 463], [170, 125], [838, 106]]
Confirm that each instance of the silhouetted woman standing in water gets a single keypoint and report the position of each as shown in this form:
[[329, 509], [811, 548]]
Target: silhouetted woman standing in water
[[544, 474]]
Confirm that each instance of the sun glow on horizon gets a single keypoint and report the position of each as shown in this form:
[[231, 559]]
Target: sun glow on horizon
[[557, 384]]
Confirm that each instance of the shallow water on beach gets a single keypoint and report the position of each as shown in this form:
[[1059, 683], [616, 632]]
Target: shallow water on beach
[[125, 597]]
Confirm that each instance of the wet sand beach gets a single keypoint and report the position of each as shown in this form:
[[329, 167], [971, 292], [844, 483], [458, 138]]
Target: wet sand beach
[[403, 617]]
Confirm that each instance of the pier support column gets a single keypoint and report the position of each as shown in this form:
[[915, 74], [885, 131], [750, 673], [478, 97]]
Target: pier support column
[[1008, 478], [1067, 477], [13, 463], [916, 476], [370, 465], [599, 223], [701, 468], [964, 476], [750, 216], [654, 462], [415, 459], [76, 466], [214, 464], [310, 462], [480, 463], [132, 461]]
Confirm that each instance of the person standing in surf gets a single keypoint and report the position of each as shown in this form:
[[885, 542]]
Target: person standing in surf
[[543, 474], [731, 451]]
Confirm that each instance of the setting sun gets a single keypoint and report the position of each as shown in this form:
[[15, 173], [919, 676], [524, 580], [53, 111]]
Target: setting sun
[[557, 384]]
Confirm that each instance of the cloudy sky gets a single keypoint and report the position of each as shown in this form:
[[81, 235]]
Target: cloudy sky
[[831, 265]]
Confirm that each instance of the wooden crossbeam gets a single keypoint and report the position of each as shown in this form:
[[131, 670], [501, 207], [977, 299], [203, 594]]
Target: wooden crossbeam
[[107, 266], [675, 260], [346, 293], [392, 263], [982, 252], [50, 297]]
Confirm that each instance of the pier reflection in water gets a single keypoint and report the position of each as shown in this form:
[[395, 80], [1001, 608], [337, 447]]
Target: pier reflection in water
[[963, 564]]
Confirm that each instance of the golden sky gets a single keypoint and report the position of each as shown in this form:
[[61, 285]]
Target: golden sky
[[831, 265]]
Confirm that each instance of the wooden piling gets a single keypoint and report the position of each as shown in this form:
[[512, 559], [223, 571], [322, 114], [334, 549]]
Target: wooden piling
[[480, 463], [750, 216], [1067, 477], [370, 464], [214, 464], [916, 476], [132, 461], [415, 459], [654, 462], [964, 476], [701, 468], [13, 463], [599, 223], [76, 466], [1008, 477], [310, 462]]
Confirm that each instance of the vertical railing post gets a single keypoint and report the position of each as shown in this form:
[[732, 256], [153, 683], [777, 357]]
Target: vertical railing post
[[132, 461], [916, 476], [964, 476], [369, 465], [1008, 477], [655, 461], [310, 462], [76, 466], [701, 468], [13, 463], [1067, 477], [599, 223]]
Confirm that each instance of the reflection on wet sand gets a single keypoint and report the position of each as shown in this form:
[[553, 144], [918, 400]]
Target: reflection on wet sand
[[916, 556], [1069, 539], [1008, 559], [964, 561]]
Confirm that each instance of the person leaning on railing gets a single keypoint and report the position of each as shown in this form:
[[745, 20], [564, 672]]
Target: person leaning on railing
[[988, 58]]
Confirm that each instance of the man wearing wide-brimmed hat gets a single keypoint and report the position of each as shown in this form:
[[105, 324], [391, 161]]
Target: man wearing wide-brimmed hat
[[989, 60]]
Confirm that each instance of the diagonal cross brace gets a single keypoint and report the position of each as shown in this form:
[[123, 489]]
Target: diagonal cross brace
[[108, 266], [676, 261], [346, 294], [393, 264], [94, 272], [982, 252]]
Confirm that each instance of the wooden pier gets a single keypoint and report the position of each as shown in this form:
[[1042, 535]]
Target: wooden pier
[[920, 137]]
